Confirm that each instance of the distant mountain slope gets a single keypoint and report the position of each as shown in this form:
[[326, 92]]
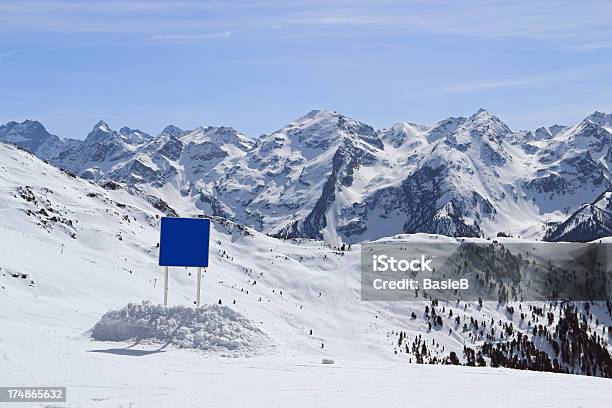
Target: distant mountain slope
[[327, 176], [291, 178], [588, 223], [32, 136]]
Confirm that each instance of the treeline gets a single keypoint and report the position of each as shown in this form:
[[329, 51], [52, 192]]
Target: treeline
[[566, 343], [576, 349]]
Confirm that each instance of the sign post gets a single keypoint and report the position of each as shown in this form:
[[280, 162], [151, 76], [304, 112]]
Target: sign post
[[184, 242], [166, 286], [199, 284]]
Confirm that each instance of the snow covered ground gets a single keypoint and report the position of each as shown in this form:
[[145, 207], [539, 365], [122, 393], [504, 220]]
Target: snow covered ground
[[71, 251], [110, 375]]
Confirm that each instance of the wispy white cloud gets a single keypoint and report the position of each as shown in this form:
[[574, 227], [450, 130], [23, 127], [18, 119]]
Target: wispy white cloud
[[590, 45], [572, 24], [564, 78], [492, 84], [146, 18], [8, 53], [101, 6], [191, 37]]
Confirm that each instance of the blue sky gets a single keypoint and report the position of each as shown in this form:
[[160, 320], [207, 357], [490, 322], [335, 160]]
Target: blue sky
[[257, 65]]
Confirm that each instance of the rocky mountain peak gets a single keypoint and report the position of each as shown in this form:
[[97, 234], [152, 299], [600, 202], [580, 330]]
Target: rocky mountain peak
[[29, 134], [320, 129], [481, 127], [100, 133], [403, 134], [101, 125], [172, 131], [134, 136], [444, 128], [602, 119], [542, 133]]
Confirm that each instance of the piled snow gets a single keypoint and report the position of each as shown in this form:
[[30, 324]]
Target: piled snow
[[210, 328]]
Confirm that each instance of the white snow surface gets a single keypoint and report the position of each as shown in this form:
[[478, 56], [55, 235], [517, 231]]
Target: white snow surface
[[210, 327], [71, 251]]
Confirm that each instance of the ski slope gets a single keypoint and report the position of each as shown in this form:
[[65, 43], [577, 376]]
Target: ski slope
[[93, 250]]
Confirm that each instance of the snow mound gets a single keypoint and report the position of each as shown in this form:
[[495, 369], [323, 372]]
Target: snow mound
[[210, 328]]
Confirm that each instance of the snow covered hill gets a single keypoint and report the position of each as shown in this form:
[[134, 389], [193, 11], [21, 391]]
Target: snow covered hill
[[327, 176], [72, 250]]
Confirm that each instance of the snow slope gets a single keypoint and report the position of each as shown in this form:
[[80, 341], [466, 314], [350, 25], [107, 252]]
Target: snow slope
[[71, 251]]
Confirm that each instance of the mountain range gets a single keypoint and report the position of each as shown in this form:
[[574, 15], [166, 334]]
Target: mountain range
[[326, 176], [73, 249]]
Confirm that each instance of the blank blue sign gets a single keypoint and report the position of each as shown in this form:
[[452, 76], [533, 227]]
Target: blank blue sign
[[184, 241]]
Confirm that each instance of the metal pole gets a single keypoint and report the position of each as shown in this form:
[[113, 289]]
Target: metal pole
[[166, 287], [199, 284]]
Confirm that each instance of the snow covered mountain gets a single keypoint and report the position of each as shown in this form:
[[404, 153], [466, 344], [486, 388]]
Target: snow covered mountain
[[174, 164], [447, 186], [291, 179], [327, 176], [588, 223], [136, 158], [32, 136], [96, 248]]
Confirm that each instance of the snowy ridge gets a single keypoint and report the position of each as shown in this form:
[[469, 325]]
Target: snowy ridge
[[589, 223], [327, 176]]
